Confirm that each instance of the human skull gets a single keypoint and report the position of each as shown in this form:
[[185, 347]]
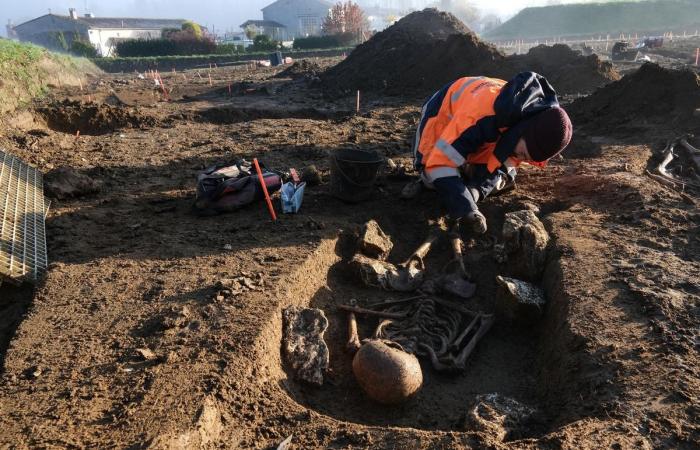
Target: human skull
[[386, 373]]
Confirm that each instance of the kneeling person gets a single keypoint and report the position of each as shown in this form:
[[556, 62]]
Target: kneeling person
[[473, 133]]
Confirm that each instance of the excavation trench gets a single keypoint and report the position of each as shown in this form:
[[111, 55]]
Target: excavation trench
[[520, 363], [92, 119], [231, 114]]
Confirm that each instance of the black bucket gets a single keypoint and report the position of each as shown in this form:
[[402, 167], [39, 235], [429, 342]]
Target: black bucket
[[353, 173]]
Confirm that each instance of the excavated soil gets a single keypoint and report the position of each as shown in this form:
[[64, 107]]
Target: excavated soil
[[128, 342], [301, 69], [428, 49], [92, 119], [652, 95], [413, 56], [567, 70]]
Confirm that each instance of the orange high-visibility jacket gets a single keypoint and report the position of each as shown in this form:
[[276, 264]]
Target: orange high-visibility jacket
[[477, 120]]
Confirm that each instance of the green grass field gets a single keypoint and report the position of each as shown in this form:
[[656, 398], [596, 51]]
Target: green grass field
[[26, 71]]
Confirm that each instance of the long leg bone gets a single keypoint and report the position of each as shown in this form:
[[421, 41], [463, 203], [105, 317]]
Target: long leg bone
[[422, 250], [456, 242], [486, 324], [353, 344], [371, 312], [394, 301], [458, 340]]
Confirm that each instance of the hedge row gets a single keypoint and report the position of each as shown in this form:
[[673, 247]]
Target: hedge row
[[331, 41], [192, 61], [165, 47]]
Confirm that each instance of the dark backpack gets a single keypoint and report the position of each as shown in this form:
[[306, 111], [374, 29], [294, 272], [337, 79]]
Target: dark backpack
[[224, 188]]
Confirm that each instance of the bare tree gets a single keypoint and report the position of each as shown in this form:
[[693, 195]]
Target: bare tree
[[345, 17]]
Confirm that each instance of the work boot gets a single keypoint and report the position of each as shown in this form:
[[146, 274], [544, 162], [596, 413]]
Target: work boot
[[476, 222], [412, 189]]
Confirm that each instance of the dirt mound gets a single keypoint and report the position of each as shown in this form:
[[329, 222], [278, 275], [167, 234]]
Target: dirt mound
[[415, 55], [431, 22], [652, 94], [567, 70], [300, 69], [92, 119], [66, 182], [427, 49]]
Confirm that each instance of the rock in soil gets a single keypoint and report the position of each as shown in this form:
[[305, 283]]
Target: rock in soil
[[303, 344], [374, 242], [524, 244], [311, 176], [66, 182], [381, 274], [497, 415], [519, 301]]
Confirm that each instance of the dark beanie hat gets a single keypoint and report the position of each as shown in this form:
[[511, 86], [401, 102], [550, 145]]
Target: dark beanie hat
[[547, 134]]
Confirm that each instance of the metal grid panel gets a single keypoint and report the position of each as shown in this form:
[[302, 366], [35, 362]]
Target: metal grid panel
[[23, 211]]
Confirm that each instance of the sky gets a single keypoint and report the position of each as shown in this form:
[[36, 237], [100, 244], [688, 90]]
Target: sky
[[221, 14]]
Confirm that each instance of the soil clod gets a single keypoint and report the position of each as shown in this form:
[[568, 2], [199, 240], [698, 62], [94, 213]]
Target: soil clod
[[65, 182]]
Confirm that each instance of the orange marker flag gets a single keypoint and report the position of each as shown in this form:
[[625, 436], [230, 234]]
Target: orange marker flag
[[264, 188]]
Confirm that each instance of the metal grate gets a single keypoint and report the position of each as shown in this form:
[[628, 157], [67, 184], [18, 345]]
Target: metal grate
[[23, 210]]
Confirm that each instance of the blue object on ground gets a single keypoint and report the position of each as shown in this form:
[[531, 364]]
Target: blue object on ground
[[292, 197]]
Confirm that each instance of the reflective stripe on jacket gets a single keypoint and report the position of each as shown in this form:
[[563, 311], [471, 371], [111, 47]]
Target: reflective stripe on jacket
[[477, 120]]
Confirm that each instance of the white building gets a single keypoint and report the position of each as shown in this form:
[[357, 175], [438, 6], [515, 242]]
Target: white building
[[58, 32], [301, 18]]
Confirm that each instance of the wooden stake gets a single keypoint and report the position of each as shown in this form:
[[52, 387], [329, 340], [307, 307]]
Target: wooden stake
[[357, 105]]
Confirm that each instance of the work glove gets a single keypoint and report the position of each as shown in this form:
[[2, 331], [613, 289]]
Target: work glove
[[474, 221]]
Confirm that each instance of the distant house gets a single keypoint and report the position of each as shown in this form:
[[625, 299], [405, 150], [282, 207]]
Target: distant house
[[301, 18], [274, 30], [58, 32], [235, 39]]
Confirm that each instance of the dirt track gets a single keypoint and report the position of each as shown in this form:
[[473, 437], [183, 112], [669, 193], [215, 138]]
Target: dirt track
[[612, 364]]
